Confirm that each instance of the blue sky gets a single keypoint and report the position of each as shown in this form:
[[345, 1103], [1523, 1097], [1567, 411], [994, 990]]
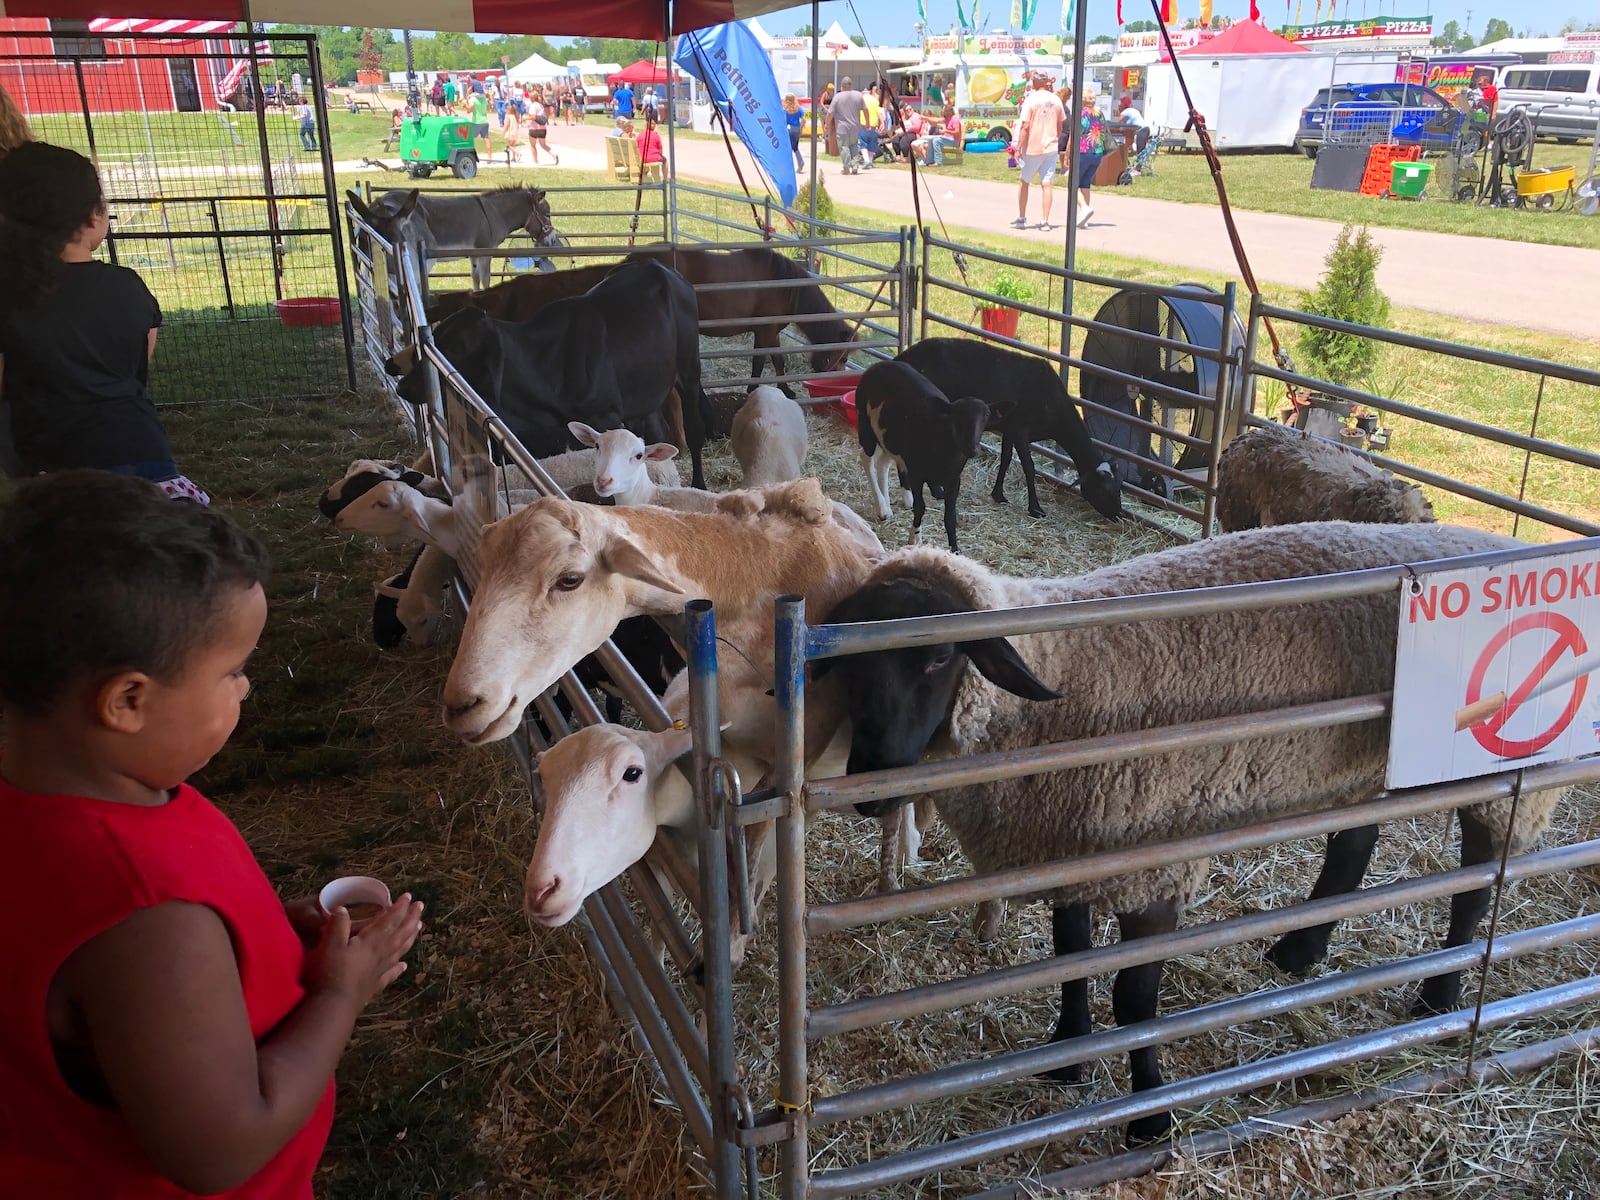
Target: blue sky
[[890, 22]]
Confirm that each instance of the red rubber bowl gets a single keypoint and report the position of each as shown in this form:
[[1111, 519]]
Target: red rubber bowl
[[845, 406], [833, 385], [308, 310]]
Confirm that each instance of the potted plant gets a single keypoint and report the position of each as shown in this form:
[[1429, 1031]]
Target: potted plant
[[1348, 291], [1003, 318], [369, 61]]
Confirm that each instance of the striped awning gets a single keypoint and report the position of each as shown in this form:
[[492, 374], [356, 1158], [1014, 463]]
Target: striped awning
[[644, 19], [106, 26]]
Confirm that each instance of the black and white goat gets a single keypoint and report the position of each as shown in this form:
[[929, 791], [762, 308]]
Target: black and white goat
[[908, 422]]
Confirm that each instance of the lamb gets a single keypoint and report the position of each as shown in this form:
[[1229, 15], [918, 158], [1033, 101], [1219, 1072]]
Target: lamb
[[903, 703], [366, 473], [907, 421], [1039, 408], [1275, 475], [769, 438], [621, 457]]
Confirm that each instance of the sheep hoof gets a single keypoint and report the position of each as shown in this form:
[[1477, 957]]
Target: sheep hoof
[[997, 496], [1035, 510], [695, 972], [1157, 1127], [1296, 953], [1441, 994], [1071, 1073]]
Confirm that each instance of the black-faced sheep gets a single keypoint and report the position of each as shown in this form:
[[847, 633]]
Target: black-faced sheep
[[1029, 404], [908, 423], [1275, 475], [902, 703]]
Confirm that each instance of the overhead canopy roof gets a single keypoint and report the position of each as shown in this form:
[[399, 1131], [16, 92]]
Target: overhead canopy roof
[[592, 18], [1244, 37], [639, 71]]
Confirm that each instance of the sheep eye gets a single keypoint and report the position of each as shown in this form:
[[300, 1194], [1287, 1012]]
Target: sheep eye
[[639, 457], [938, 662], [633, 775], [569, 583]]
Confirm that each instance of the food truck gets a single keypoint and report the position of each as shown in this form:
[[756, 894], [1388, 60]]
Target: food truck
[[986, 76]]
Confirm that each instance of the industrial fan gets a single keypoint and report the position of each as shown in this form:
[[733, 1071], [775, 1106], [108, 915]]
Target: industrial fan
[[1194, 322]]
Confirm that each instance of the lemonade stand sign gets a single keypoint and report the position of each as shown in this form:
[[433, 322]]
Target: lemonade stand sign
[[990, 75]]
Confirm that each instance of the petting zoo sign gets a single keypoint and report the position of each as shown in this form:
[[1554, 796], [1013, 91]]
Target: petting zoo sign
[[1495, 669]]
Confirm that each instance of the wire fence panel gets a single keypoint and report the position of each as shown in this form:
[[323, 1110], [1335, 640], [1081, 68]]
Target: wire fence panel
[[222, 204]]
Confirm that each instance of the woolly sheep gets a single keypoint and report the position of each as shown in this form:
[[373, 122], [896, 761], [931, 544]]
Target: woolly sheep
[[1275, 475], [769, 438], [905, 702]]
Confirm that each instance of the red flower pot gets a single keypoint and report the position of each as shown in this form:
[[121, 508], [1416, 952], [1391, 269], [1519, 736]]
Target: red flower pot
[[1002, 321]]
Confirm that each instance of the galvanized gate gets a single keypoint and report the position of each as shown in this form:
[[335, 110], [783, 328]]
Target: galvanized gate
[[213, 198]]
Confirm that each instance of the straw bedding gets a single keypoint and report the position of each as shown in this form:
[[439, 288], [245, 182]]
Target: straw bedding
[[495, 1069]]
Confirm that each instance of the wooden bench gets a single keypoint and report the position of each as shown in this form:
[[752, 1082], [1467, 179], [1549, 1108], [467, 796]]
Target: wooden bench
[[954, 155], [622, 157]]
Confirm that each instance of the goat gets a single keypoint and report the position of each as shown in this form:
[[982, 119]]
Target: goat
[[907, 421], [769, 438]]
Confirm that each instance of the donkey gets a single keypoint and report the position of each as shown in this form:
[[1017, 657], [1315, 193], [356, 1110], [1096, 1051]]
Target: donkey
[[439, 223]]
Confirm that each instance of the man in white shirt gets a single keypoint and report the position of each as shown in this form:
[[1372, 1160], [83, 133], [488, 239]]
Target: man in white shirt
[[1127, 114]]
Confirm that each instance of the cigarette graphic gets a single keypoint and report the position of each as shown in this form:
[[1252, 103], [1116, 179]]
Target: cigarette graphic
[[1481, 710]]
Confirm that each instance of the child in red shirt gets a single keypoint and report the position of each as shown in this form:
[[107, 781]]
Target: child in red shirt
[[164, 1031]]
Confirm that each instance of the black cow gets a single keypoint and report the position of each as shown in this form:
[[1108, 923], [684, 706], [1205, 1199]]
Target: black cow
[[610, 357]]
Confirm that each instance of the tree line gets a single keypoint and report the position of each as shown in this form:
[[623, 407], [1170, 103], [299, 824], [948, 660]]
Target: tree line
[[340, 49]]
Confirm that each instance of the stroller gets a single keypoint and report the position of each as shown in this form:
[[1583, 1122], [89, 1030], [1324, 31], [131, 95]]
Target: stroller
[[1145, 144]]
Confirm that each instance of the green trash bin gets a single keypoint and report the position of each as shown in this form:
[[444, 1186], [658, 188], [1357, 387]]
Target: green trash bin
[[1409, 178]]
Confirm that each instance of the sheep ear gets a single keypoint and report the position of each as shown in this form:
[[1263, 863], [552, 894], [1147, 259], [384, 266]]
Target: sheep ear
[[622, 557], [411, 478], [660, 451], [585, 434], [998, 662], [667, 747]]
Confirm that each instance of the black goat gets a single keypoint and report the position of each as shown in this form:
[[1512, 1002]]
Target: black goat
[[1036, 406], [907, 421]]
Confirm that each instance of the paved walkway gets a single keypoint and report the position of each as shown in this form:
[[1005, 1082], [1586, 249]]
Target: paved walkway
[[1551, 289]]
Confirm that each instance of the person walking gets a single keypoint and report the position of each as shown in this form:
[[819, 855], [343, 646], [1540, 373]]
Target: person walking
[[538, 131], [848, 107], [870, 141], [1038, 135], [622, 98], [580, 100], [1093, 139], [793, 118], [480, 126], [308, 126]]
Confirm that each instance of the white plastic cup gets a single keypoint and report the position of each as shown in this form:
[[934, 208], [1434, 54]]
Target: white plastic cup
[[348, 891]]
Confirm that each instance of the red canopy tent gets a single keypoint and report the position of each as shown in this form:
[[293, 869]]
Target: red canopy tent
[[1243, 37], [641, 71], [604, 18]]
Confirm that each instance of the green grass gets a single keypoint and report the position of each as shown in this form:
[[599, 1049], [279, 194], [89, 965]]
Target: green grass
[[1281, 183]]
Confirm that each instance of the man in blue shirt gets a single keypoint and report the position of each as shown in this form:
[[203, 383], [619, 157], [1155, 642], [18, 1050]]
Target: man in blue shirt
[[623, 98]]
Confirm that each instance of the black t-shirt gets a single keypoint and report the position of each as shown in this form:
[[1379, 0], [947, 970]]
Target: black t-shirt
[[77, 372]]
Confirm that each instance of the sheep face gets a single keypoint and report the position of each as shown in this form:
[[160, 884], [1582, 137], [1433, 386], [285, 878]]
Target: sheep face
[[621, 459], [382, 511], [601, 813], [898, 699], [1103, 490], [556, 578], [364, 474], [969, 416]]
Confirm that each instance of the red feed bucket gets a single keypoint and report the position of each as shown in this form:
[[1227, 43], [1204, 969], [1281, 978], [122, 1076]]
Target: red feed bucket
[[308, 310], [833, 385], [845, 406]]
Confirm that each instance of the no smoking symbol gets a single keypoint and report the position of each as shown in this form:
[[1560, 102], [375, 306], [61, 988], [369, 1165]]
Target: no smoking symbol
[[1554, 669]]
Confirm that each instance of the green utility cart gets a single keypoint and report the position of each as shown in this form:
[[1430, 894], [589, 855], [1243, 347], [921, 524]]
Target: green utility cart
[[429, 142]]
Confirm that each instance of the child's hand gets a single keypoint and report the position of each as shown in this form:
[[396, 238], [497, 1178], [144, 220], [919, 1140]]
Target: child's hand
[[358, 966], [307, 918]]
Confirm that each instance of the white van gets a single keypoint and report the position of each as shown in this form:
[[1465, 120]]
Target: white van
[[1563, 98]]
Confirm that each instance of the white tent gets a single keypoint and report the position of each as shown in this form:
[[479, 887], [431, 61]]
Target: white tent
[[760, 33], [835, 40], [536, 69]]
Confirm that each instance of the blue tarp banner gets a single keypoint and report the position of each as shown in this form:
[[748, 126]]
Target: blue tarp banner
[[738, 73]]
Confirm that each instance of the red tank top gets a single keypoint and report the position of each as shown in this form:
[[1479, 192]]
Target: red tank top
[[72, 868]]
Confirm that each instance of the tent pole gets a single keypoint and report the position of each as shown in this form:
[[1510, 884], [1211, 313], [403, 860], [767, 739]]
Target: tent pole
[[669, 178], [1080, 47], [816, 124]]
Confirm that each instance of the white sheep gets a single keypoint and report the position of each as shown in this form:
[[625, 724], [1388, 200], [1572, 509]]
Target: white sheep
[[769, 438], [1113, 679], [621, 472], [1275, 475]]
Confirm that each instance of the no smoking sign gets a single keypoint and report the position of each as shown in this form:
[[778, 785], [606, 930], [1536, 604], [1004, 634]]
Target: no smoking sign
[[1494, 669]]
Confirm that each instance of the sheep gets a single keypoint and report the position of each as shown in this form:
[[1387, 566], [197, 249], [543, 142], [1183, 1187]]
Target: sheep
[[1039, 408], [621, 457], [907, 421], [366, 473], [769, 438], [1275, 475], [1125, 677]]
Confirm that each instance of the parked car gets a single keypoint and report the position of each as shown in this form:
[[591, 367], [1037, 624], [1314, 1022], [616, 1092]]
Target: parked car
[[1343, 113], [1564, 99]]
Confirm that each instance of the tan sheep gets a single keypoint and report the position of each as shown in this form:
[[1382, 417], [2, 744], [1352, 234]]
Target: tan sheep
[[1275, 475]]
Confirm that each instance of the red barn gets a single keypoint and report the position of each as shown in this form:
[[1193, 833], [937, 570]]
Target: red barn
[[37, 67]]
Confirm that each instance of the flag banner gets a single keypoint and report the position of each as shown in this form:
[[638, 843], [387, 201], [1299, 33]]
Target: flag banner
[[961, 16], [1069, 13], [738, 73], [1016, 14], [1029, 8], [922, 12], [1205, 12]]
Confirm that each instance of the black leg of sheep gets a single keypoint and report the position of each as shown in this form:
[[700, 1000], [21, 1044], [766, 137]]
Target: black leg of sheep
[[1349, 852], [1134, 998], [1443, 992], [1071, 932]]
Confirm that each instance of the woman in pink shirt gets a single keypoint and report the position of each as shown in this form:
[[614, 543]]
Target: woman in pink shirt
[[948, 132], [912, 125], [650, 141]]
